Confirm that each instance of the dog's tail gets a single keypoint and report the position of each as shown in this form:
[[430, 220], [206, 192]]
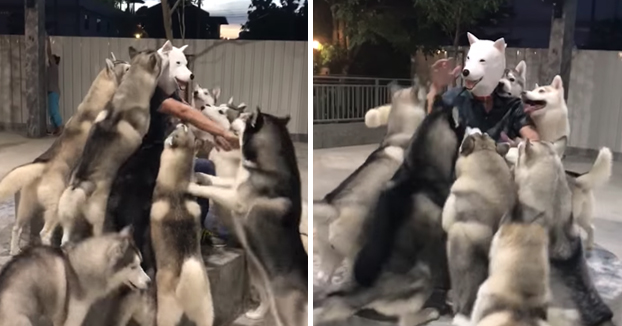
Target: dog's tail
[[193, 290], [600, 172], [19, 177], [377, 117]]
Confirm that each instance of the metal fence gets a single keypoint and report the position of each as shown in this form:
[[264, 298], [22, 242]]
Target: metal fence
[[270, 74], [346, 99]]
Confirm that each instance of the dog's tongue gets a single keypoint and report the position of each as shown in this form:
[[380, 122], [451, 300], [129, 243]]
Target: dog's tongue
[[528, 108], [469, 83]]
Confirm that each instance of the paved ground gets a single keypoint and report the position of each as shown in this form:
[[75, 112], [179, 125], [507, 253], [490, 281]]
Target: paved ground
[[331, 166], [16, 149]]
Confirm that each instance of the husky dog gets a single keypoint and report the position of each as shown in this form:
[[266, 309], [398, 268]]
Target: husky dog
[[403, 256], [339, 217], [116, 134], [484, 65], [513, 81], [544, 195], [483, 191], [42, 182], [547, 108], [265, 198], [516, 291], [181, 279], [582, 188], [61, 286], [203, 96]]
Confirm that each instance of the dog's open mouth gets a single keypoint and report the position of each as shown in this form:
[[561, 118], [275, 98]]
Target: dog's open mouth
[[531, 106], [132, 285], [182, 84], [470, 84]]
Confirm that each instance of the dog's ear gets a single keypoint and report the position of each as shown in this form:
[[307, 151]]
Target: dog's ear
[[109, 65], [257, 118], [153, 59], [216, 93], [468, 146], [242, 107], [167, 47], [557, 82], [127, 231], [198, 144], [472, 38], [183, 48], [521, 68], [284, 120], [113, 57], [132, 52], [500, 45], [230, 102], [537, 85], [503, 149]]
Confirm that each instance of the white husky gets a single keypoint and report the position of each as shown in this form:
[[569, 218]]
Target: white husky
[[203, 96]]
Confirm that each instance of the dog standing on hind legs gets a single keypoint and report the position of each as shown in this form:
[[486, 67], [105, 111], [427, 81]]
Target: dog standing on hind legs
[[116, 134], [183, 287], [42, 182], [265, 198]]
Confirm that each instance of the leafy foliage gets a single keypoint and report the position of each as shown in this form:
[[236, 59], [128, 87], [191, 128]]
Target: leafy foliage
[[268, 21]]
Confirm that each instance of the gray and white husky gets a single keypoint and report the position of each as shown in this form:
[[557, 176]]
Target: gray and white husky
[[42, 182], [544, 194], [339, 217], [203, 96], [483, 192], [116, 134], [265, 197], [183, 287], [512, 84], [403, 257], [62, 285]]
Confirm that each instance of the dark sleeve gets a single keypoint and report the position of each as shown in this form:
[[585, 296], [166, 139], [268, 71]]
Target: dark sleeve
[[446, 99], [518, 119], [159, 96]]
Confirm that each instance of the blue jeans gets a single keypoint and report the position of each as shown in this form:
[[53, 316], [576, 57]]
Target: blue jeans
[[53, 109], [210, 221]]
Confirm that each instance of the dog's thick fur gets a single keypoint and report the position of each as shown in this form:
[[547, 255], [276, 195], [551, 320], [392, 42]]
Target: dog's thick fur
[[116, 134], [483, 192], [181, 279], [203, 96], [265, 197], [513, 81], [42, 182], [403, 256], [544, 195], [547, 108], [516, 291], [582, 187], [61, 286], [339, 217]]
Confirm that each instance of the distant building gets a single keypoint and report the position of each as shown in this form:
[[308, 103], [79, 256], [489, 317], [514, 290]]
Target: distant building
[[68, 18], [198, 23]]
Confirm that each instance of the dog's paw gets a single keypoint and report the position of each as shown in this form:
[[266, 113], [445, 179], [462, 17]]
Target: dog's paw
[[203, 179], [460, 320]]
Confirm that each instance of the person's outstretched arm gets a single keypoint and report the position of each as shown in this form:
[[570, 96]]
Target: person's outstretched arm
[[224, 138]]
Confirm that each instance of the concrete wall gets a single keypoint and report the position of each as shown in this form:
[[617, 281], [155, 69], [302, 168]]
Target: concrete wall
[[345, 134], [270, 74]]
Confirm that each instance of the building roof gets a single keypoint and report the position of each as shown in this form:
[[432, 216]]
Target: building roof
[[221, 20]]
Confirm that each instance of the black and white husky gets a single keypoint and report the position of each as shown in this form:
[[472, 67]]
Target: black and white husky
[[403, 256], [265, 198], [62, 285]]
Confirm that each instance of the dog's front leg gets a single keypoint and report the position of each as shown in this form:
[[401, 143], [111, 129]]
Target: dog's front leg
[[210, 180], [222, 196], [76, 313]]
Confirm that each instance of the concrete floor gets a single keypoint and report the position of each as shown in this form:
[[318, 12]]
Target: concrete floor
[[333, 165]]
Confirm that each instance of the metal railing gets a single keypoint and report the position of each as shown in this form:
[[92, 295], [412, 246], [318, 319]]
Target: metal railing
[[346, 99]]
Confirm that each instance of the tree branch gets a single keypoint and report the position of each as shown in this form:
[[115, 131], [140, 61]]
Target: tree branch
[[175, 6]]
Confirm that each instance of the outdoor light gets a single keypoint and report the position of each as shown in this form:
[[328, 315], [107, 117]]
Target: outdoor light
[[317, 45], [137, 35]]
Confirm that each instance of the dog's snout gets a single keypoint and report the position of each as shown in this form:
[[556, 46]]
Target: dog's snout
[[191, 76], [465, 72]]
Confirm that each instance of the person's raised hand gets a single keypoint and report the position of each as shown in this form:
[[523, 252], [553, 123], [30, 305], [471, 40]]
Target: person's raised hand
[[227, 141], [443, 74]]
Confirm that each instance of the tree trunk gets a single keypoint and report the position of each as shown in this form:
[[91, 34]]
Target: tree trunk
[[561, 43], [35, 69], [168, 22]]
